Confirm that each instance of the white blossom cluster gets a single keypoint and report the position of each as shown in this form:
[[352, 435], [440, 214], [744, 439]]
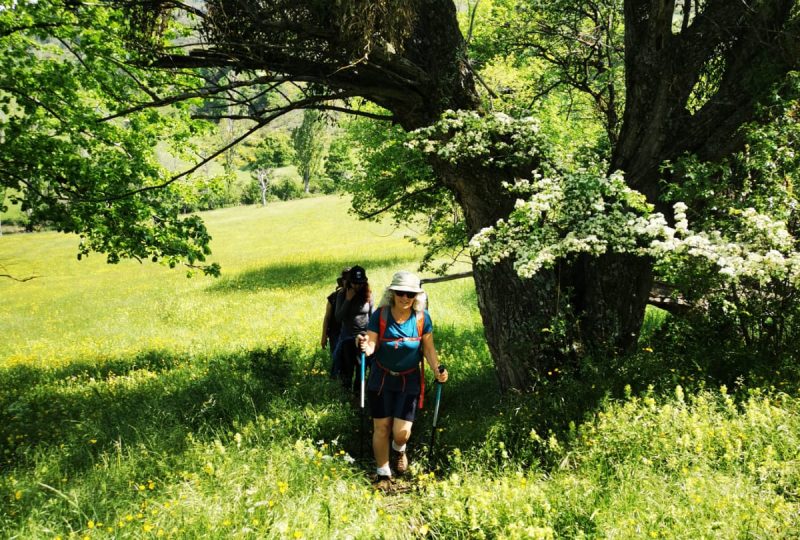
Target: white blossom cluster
[[13, 4], [761, 248], [586, 213], [495, 139]]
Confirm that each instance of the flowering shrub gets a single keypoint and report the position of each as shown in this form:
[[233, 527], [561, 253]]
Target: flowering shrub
[[746, 275], [740, 257], [588, 213], [495, 139]]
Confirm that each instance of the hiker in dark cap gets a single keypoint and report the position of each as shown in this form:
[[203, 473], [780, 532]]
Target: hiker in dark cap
[[354, 305], [330, 327]]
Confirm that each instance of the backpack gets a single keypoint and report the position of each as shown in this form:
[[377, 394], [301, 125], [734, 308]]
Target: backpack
[[382, 328], [420, 326]]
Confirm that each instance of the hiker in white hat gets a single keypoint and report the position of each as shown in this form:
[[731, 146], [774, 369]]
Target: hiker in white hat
[[399, 334]]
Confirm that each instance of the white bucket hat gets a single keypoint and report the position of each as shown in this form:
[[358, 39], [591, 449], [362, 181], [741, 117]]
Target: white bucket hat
[[405, 281]]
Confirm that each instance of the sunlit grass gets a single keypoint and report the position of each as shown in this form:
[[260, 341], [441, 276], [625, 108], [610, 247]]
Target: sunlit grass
[[278, 262]]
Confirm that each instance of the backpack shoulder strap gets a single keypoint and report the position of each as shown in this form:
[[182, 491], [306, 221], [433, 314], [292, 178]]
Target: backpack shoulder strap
[[420, 327], [381, 325]]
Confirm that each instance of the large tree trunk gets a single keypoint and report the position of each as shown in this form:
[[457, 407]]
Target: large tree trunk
[[610, 300], [518, 318], [532, 326], [586, 306]]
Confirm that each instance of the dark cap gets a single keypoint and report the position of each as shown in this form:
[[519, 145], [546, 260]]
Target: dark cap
[[357, 275]]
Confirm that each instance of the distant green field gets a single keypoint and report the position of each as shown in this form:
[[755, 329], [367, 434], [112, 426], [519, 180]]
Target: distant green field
[[278, 263]]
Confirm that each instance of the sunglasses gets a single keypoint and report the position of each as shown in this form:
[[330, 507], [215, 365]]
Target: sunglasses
[[405, 293]]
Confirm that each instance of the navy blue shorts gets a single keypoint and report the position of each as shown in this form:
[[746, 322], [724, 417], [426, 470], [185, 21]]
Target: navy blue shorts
[[393, 396], [389, 404]]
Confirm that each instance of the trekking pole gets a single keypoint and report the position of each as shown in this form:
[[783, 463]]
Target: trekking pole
[[362, 369], [437, 400], [363, 381]]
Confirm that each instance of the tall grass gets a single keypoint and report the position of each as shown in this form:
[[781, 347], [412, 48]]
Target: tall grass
[[137, 403]]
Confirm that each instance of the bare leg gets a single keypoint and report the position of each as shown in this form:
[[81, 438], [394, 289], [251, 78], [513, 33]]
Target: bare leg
[[380, 440], [401, 431]]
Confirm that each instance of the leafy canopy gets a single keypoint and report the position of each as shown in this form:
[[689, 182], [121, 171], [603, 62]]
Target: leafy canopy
[[76, 148]]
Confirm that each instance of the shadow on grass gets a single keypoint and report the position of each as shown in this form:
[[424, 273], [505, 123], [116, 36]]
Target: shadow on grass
[[494, 429], [157, 400], [289, 275], [154, 399]]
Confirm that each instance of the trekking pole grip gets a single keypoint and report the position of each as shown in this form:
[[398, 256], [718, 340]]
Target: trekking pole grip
[[442, 369]]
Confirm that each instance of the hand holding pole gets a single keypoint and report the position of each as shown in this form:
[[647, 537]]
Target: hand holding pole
[[362, 369]]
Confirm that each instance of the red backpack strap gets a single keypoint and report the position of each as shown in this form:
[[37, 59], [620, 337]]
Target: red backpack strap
[[381, 326]]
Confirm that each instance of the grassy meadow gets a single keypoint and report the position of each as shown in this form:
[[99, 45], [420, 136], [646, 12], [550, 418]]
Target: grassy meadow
[[137, 403]]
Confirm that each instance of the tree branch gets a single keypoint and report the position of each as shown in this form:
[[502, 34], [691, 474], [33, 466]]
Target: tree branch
[[397, 201], [200, 92], [450, 277], [40, 26]]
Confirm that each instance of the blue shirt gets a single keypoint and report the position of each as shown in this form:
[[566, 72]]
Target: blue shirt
[[400, 355]]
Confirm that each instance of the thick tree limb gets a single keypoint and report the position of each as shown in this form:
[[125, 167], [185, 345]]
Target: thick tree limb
[[405, 197], [40, 26]]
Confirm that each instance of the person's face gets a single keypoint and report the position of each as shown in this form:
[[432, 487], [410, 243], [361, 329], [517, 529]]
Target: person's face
[[404, 299]]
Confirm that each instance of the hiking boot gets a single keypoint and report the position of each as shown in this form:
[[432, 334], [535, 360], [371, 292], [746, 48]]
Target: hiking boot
[[384, 483], [399, 462]]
